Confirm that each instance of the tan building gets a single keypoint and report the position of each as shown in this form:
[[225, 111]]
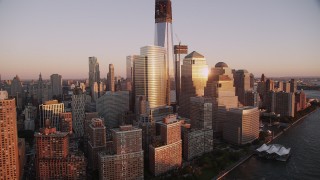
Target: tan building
[[220, 87], [9, 155], [194, 76], [196, 142], [242, 125], [166, 154], [53, 160], [125, 162]]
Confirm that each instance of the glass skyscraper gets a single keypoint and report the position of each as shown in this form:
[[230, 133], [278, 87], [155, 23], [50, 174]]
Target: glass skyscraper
[[151, 76]]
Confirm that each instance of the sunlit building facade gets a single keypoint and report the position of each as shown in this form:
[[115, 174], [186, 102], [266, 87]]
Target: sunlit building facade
[[9, 155], [220, 87], [150, 75], [51, 110], [194, 76]]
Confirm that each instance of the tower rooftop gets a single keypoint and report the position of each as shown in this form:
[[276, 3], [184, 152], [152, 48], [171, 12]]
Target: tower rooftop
[[221, 64], [194, 54]]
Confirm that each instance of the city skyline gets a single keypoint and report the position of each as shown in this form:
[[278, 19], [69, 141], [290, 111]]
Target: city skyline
[[51, 37]]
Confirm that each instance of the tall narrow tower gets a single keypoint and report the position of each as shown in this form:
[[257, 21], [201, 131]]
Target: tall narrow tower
[[163, 38]]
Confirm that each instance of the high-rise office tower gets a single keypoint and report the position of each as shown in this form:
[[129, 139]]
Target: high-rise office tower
[[300, 101], [111, 105], [242, 84], [125, 161], [269, 85], [110, 79], [129, 66], [194, 76], [94, 72], [284, 103], [9, 161], [286, 86], [163, 38], [30, 114], [150, 75], [56, 85], [178, 51], [16, 91], [242, 125], [94, 77], [51, 110], [78, 104], [220, 87], [293, 85], [40, 89]]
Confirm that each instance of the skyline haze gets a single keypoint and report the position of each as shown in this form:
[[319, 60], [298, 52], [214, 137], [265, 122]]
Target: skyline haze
[[270, 37]]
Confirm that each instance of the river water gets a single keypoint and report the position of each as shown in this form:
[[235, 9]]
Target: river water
[[304, 140]]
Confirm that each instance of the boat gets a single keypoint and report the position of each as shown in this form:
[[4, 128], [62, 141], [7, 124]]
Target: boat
[[274, 152]]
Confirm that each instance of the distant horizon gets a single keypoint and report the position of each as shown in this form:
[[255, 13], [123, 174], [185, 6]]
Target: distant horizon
[[277, 38]]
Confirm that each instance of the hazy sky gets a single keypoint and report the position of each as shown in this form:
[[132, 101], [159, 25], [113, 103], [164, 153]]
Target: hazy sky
[[275, 37]]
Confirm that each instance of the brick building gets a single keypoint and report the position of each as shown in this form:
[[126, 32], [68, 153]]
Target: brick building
[[53, 160], [125, 161], [166, 154]]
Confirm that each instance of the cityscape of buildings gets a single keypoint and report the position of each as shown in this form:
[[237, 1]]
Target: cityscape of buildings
[[169, 109]]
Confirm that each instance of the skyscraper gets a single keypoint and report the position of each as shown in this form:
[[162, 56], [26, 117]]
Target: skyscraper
[[163, 37], [293, 85], [150, 75], [9, 160], [56, 85], [78, 104], [110, 78], [220, 88], [242, 84], [194, 76], [129, 66], [178, 50], [94, 76]]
